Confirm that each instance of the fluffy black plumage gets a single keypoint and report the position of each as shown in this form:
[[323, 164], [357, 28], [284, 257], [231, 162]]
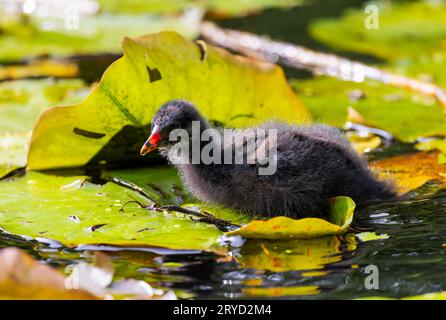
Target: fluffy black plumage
[[314, 163]]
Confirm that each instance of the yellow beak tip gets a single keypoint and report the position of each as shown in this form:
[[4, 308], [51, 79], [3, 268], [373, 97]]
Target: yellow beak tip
[[144, 150]]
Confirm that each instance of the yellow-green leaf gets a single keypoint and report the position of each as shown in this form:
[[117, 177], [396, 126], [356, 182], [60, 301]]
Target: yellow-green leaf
[[340, 217], [370, 236], [74, 211]]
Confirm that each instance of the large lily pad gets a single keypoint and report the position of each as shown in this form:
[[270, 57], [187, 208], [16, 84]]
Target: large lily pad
[[73, 211], [155, 68], [340, 217]]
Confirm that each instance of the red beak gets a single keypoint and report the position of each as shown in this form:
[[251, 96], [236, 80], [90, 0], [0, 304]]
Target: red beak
[[152, 143]]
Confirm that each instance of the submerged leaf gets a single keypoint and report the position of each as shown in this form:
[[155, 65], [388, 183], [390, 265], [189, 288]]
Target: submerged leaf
[[340, 217], [111, 124]]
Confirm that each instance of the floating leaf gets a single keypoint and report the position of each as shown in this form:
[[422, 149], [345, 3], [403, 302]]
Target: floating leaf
[[217, 6], [363, 143], [434, 144], [39, 69], [405, 29], [410, 37], [411, 171], [340, 217], [405, 114], [427, 296], [111, 124], [21, 102], [370, 236], [74, 211]]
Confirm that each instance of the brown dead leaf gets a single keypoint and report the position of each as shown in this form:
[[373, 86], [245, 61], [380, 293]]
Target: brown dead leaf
[[411, 171], [22, 277]]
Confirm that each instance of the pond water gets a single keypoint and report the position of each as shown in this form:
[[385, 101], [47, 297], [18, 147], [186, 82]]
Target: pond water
[[410, 261]]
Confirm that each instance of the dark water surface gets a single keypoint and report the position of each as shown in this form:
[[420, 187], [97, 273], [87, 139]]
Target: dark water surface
[[410, 261]]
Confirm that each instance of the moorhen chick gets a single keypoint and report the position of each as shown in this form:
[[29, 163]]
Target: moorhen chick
[[313, 163]]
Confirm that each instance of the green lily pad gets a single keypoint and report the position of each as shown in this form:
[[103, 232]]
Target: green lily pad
[[410, 37], [97, 34], [405, 30], [371, 236], [163, 184], [74, 211], [22, 277], [21, 102], [432, 144], [111, 124], [405, 114], [340, 217], [169, 6]]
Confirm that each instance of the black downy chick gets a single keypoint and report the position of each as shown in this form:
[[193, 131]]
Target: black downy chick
[[314, 163]]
